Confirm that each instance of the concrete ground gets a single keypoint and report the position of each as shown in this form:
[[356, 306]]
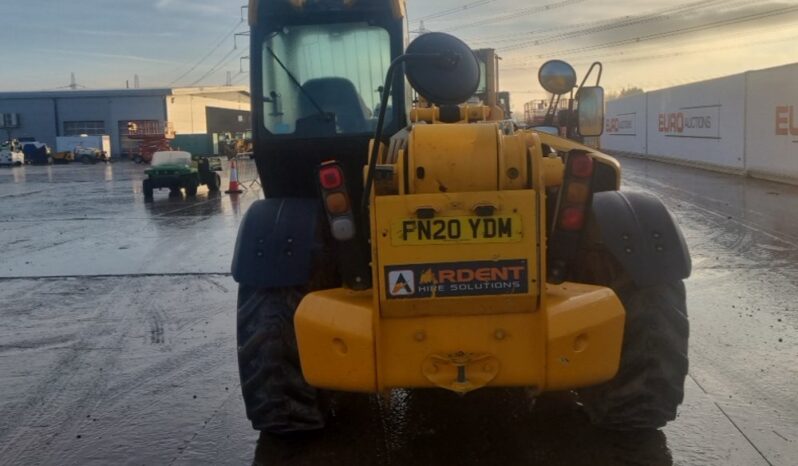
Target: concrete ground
[[117, 340]]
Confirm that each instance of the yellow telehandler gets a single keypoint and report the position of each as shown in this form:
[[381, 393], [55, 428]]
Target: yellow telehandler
[[401, 246]]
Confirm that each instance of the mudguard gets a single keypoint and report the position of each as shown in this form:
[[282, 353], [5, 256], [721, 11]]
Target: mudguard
[[276, 242], [640, 232]]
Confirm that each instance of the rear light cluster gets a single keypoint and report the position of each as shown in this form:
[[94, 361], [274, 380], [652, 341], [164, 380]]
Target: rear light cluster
[[577, 196], [336, 201]]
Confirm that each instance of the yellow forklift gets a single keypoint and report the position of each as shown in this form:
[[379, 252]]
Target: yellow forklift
[[402, 247]]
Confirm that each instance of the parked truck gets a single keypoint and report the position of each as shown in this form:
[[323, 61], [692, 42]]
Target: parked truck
[[86, 149], [11, 153], [36, 153]]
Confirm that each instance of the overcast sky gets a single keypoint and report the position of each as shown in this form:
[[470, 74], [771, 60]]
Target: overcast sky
[[645, 43]]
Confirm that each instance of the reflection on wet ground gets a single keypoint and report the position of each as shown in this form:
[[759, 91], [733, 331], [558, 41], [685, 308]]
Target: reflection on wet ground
[[495, 426], [92, 220], [117, 340]]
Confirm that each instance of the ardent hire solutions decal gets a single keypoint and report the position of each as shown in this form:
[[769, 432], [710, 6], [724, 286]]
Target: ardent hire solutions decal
[[474, 278]]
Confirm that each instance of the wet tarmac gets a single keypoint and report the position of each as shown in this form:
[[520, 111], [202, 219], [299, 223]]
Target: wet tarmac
[[117, 340]]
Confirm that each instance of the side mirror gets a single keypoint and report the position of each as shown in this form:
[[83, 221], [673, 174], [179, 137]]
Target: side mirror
[[557, 77], [442, 68], [590, 111]]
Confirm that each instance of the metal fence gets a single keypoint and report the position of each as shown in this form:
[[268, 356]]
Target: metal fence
[[247, 171]]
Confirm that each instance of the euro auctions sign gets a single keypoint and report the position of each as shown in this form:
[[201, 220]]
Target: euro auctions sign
[[623, 124], [691, 122]]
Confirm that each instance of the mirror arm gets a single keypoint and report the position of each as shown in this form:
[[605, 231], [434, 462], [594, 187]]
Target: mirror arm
[[386, 93], [375, 150], [548, 120], [569, 127], [587, 75]]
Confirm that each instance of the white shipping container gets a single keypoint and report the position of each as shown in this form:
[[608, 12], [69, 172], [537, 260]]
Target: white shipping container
[[69, 143], [701, 123], [625, 125], [772, 122]]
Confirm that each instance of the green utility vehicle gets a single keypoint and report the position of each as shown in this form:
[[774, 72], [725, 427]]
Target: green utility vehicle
[[178, 170]]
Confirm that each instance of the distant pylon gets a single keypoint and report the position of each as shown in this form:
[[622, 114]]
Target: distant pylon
[[73, 83]]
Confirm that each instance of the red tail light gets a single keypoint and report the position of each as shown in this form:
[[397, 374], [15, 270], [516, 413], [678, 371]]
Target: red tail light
[[573, 210], [331, 177], [572, 218], [581, 165], [576, 192], [336, 201]]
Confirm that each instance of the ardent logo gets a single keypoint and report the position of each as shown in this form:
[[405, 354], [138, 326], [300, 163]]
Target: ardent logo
[[401, 282], [450, 279], [469, 274]]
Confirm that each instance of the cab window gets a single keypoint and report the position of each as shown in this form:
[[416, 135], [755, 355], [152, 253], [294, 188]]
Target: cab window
[[324, 80]]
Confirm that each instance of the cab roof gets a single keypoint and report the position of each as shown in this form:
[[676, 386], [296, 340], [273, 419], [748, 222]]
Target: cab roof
[[273, 9]]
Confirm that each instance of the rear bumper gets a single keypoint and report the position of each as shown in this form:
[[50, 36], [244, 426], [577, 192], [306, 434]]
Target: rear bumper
[[168, 181], [573, 340]]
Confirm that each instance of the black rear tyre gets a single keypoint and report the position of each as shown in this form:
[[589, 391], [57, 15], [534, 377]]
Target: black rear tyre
[[146, 188], [649, 385], [191, 188], [214, 182], [276, 396]]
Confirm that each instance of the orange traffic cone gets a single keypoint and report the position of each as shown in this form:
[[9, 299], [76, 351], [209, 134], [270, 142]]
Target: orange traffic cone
[[233, 188]]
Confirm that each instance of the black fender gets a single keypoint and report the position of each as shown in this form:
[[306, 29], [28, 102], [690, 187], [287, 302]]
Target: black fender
[[642, 235], [276, 243]]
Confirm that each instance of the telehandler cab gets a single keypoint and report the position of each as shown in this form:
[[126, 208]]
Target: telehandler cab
[[432, 246]]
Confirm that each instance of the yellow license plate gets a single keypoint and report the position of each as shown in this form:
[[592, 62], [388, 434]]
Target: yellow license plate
[[466, 229]]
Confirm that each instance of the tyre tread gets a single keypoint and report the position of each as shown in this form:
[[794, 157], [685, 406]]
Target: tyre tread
[[277, 398]]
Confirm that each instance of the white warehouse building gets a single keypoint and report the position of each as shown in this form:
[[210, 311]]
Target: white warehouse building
[[45, 115]]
